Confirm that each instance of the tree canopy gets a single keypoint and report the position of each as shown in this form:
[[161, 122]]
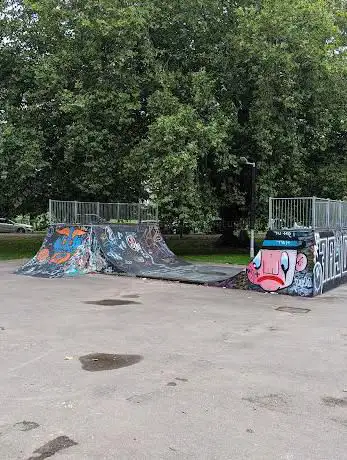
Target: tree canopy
[[116, 100]]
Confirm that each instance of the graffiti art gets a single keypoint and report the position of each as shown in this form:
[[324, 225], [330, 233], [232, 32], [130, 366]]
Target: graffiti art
[[298, 262], [275, 269], [64, 251]]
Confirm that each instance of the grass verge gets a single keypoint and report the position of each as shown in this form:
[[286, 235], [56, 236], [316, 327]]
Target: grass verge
[[19, 247], [231, 258], [194, 248]]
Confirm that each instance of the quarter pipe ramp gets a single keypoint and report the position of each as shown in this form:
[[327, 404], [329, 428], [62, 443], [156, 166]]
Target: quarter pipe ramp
[[130, 250]]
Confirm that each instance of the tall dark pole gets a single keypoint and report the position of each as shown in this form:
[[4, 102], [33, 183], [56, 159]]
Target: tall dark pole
[[253, 208], [252, 214]]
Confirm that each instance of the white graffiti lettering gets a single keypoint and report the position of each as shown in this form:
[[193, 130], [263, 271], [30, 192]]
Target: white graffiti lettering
[[331, 252]]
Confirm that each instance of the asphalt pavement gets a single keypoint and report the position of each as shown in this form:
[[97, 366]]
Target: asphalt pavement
[[106, 367]]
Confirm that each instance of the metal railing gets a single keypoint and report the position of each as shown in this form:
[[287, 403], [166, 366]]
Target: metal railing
[[306, 213], [88, 213]]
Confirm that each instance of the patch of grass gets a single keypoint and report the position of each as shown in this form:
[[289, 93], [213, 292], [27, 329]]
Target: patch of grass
[[204, 249], [198, 245], [194, 248], [19, 247], [236, 259]]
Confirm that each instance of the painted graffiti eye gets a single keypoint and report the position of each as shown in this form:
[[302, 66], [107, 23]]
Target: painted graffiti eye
[[257, 261], [285, 262]]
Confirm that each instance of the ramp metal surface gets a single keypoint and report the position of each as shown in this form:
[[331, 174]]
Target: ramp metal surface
[[142, 251], [129, 250]]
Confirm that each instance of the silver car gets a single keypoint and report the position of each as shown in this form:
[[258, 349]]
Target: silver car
[[8, 226]]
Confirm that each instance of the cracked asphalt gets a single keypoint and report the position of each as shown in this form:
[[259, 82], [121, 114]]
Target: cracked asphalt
[[175, 372]]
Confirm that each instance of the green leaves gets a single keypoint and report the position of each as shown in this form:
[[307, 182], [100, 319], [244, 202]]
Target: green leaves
[[118, 100]]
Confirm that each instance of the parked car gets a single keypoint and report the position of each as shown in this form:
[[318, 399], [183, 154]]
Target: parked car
[[9, 226]]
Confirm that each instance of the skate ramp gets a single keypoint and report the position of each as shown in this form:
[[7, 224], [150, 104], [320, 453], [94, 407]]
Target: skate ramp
[[128, 250], [65, 251], [302, 262], [299, 262], [142, 251]]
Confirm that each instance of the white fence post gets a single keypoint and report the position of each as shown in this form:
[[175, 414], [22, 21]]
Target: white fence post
[[139, 212], [328, 213], [76, 212], [270, 213], [50, 217], [314, 201]]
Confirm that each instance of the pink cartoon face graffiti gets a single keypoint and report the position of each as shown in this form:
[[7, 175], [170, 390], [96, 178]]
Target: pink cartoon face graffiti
[[274, 269]]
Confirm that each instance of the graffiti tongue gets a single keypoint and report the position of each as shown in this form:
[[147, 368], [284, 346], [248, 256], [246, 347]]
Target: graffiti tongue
[[268, 282]]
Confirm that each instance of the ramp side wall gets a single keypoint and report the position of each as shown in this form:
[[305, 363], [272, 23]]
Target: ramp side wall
[[65, 251], [298, 263]]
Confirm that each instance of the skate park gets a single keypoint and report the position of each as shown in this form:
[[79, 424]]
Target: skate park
[[109, 339], [215, 373], [173, 230], [304, 252], [118, 356]]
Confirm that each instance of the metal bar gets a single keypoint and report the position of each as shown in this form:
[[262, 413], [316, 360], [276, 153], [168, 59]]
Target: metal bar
[[139, 212], [328, 213], [50, 217], [270, 213]]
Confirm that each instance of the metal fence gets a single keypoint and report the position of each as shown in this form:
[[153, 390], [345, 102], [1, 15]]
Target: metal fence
[[306, 213], [84, 213]]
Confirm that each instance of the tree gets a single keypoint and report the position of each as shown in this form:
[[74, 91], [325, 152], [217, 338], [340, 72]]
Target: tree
[[116, 100], [73, 89]]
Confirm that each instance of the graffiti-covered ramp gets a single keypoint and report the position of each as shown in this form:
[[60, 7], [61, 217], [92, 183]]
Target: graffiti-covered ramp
[[141, 251], [66, 251]]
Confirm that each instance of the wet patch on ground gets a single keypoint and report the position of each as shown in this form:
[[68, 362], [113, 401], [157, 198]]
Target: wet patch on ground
[[171, 384], [293, 309], [95, 362], [275, 402], [19, 426], [334, 402], [52, 447], [26, 426], [111, 302]]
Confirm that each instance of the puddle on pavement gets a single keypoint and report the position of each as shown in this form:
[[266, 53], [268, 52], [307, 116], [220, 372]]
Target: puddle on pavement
[[334, 402], [293, 309], [26, 426], [106, 362], [111, 302], [52, 447]]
